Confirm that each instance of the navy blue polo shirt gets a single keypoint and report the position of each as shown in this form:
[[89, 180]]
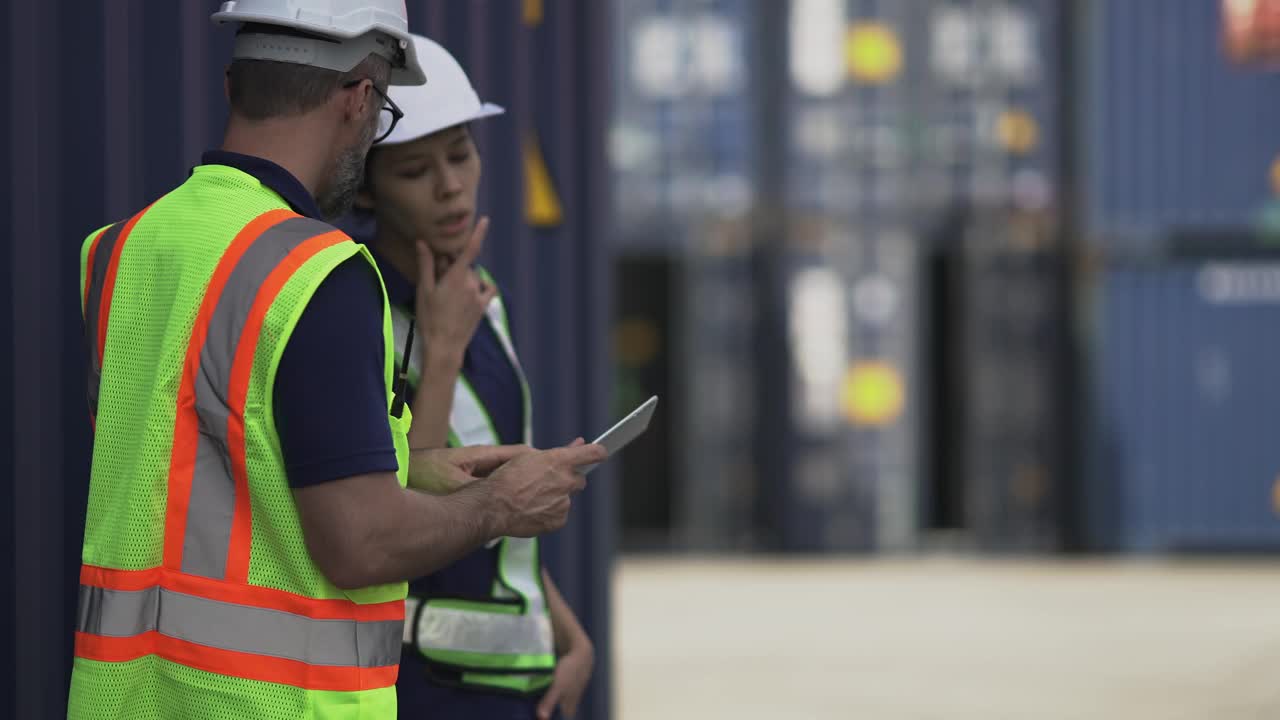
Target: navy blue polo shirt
[[330, 394]]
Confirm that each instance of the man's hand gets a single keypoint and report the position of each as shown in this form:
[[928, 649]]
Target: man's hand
[[573, 672], [530, 494], [442, 471], [366, 530], [449, 307]]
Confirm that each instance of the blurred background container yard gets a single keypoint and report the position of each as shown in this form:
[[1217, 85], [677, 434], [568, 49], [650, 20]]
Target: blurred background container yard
[[965, 316]]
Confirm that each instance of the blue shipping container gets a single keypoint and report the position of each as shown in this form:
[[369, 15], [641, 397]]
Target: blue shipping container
[[1174, 133], [1188, 403]]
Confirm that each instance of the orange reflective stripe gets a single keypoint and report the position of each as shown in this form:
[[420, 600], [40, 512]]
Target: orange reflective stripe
[[186, 421], [235, 664], [88, 270], [101, 250], [109, 282], [238, 550], [95, 376], [251, 595], [113, 647]]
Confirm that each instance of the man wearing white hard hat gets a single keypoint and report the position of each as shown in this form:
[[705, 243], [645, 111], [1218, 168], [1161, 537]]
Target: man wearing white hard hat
[[254, 509], [488, 637]]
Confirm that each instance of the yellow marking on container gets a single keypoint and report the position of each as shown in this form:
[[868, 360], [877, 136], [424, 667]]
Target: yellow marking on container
[[1017, 131], [541, 203], [873, 53], [873, 394], [532, 12]]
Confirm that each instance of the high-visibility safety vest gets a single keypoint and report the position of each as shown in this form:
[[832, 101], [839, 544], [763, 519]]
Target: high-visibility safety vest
[[198, 598], [506, 641]]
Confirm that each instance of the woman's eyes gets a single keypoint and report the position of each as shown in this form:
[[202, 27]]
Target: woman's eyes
[[417, 171]]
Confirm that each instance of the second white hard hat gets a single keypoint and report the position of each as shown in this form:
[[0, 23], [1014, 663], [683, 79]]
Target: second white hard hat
[[447, 100]]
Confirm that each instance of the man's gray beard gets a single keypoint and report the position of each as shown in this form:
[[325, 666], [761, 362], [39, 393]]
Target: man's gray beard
[[348, 172]]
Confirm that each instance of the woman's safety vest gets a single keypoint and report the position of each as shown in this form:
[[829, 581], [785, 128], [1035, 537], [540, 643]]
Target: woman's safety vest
[[198, 598], [505, 642]]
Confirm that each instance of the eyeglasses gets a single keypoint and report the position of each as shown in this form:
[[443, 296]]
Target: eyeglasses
[[388, 116]]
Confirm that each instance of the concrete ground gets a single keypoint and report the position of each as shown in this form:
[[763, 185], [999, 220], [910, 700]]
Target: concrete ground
[[947, 639]]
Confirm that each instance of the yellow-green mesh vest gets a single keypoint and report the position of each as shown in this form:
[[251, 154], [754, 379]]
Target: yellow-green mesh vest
[[506, 644], [216, 620]]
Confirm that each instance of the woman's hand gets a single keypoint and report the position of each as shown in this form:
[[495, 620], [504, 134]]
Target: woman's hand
[[449, 308], [573, 672]]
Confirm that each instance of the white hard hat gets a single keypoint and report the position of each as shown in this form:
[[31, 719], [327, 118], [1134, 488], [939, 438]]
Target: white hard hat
[[363, 27], [446, 101]]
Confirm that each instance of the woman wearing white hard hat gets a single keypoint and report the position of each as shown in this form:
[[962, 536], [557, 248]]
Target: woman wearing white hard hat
[[490, 636]]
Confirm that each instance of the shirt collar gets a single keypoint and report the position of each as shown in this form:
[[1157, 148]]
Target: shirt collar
[[271, 175]]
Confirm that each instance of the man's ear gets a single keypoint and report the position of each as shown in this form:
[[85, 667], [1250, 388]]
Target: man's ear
[[226, 84], [355, 100]]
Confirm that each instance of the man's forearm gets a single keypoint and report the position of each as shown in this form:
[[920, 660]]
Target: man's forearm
[[367, 529], [429, 532]]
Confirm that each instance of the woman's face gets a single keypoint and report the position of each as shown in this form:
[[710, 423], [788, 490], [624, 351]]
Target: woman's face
[[426, 189]]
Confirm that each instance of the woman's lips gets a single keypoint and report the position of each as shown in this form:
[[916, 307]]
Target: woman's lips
[[453, 223]]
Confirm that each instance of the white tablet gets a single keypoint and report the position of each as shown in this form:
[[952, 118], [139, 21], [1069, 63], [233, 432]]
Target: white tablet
[[627, 429]]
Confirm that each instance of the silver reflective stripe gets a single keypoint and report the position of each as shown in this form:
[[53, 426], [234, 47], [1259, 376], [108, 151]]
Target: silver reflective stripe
[[116, 614], [241, 628], [212, 504], [518, 556], [94, 381], [481, 632], [518, 563], [497, 313], [468, 419], [93, 305]]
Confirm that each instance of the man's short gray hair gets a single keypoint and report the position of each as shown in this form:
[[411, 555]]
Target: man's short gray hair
[[265, 89]]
